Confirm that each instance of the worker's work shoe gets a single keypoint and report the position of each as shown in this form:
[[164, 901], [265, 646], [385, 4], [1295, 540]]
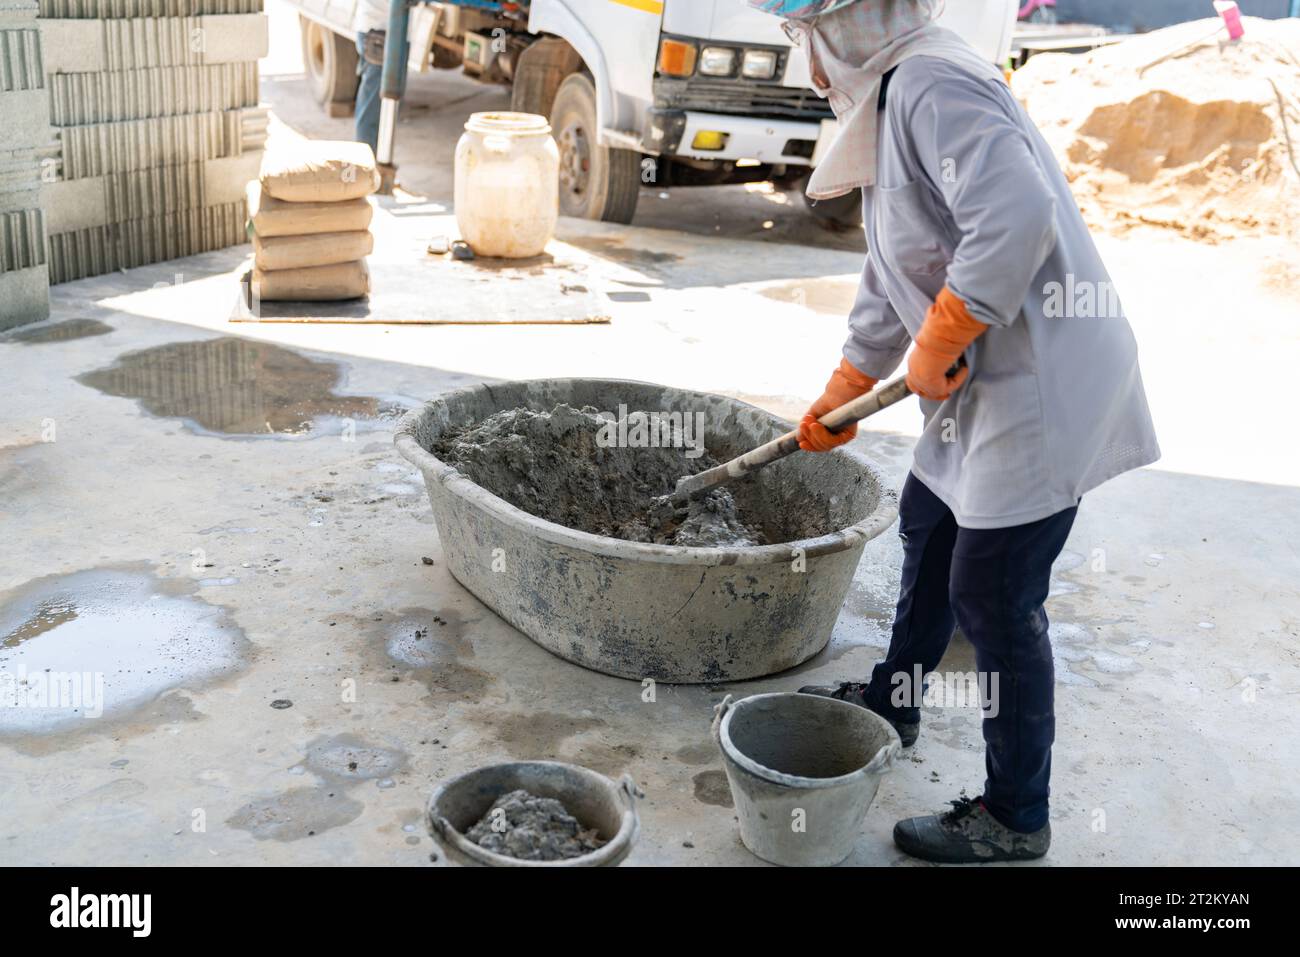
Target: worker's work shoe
[[968, 834], [854, 692]]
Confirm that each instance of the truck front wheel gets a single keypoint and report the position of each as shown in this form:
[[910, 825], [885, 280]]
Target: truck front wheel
[[330, 61], [596, 182], [542, 67]]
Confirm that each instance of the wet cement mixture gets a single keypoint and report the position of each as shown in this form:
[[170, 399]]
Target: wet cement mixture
[[555, 465], [530, 828]]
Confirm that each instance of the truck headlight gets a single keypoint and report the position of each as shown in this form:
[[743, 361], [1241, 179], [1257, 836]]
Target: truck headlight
[[676, 58], [717, 61], [759, 64]]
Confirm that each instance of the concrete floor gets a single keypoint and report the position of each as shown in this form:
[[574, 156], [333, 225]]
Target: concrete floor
[[1177, 663], [1175, 608]]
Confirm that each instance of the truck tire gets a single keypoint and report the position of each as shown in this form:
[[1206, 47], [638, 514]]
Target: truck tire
[[842, 212], [541, 69], [596, 182], [330, 62]]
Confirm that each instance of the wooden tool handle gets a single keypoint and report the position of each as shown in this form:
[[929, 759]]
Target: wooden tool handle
[[855, 410]]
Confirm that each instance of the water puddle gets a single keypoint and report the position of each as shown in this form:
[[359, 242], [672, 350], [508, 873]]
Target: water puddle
[[295, 814], [438, 647], [711, 787], [61, 332], [343, 758], [832, 297], [231, 386], [101, 642], [50, 613], [339, 762], [615, 250]]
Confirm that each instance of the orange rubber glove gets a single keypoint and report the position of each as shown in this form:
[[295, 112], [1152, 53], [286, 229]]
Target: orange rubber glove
[[948, 329], [846, 383]]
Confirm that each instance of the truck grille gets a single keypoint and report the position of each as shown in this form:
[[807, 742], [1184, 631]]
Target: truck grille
[[740, 97]]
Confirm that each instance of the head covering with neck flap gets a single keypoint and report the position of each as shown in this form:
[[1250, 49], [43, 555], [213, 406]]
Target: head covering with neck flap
[[850, 46]]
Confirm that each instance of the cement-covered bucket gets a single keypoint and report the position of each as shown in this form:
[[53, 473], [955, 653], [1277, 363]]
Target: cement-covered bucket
[[803, 771], [596, 801], [638, 610]]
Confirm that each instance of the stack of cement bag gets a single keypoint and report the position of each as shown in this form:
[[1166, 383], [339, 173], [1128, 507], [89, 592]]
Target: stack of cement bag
[[310, 221], [155, 107]]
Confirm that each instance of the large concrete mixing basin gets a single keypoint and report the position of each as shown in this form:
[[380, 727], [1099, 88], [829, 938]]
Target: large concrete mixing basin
[[666, 612]]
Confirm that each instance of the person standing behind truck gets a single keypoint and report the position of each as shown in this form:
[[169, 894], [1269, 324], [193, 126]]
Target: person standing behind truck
[[370, 21], [972, 235]]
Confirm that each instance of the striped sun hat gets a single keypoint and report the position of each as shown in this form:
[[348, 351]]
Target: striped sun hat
[[799, 9]]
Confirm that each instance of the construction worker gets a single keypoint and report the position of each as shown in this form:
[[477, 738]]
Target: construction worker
[[976, 251], [370, 22]]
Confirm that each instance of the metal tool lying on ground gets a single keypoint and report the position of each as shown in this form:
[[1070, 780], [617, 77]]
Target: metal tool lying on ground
[[690, 486]]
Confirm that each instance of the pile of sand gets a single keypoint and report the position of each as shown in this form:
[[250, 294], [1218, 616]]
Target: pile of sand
[[1206, 142]]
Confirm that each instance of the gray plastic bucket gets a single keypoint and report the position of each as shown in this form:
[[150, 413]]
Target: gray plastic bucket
[[640, 610], [595, 800], [803, 771]]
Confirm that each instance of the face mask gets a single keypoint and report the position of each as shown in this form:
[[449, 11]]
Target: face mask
[[803, 35]]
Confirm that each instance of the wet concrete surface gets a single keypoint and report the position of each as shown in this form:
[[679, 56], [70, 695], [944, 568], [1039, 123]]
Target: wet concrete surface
[[619, 251], [344, 759], [234, 386], [102, 642], [398, 679], [60, 331], [436, 648], [1177, 683], [712, 787], [296, 814]]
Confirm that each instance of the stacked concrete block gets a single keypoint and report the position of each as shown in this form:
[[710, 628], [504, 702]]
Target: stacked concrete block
[[102, 148], [27, 150], [155, 105], [129, 9]]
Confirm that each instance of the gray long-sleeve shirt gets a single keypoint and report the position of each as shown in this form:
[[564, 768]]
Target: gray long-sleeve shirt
[[968, 194]]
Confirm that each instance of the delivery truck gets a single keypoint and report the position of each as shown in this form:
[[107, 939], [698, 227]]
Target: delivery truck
[[638, 92]]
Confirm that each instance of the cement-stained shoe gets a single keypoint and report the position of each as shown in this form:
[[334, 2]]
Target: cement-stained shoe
[[854, 692], [968, 834]]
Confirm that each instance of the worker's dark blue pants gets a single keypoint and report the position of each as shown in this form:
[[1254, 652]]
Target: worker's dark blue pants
[[367, 109], [991, 582]]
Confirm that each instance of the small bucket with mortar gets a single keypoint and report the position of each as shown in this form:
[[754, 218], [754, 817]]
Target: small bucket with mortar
[[596, 801], [803, 771]]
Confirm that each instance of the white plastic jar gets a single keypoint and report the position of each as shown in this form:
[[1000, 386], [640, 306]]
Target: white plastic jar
[[507, 184]]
